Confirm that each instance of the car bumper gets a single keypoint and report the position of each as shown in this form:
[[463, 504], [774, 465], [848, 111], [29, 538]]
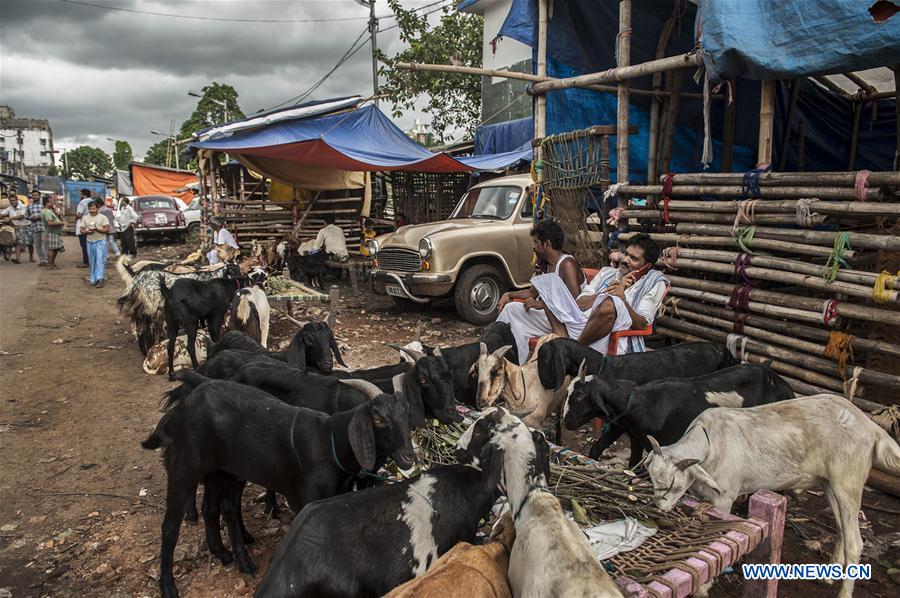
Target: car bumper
[[159, 229], [415, 286]]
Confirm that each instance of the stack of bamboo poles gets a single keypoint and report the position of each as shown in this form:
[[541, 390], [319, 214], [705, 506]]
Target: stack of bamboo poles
[[803, 248]]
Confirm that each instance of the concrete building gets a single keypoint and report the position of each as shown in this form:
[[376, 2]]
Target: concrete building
[[26, 145]]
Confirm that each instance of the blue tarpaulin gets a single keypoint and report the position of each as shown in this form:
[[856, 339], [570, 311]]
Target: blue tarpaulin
[[762, 39], [501, 137], [357, 140]]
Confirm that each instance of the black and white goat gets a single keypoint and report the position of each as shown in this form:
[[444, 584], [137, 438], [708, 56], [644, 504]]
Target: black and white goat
[[664, 408], [551, 556], [238, 433], [563, 357], [792, 445], [190, 304], [250, 314]]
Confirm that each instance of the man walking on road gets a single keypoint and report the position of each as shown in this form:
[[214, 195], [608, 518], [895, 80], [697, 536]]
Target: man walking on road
[[80, 213], [33, 215], [14, 214], [95, 227], [126, 218], [54, 227]]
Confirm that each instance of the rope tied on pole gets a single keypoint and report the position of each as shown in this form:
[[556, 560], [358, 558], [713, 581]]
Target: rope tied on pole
[[614, 215], [731, 342], [883, 287], [743, 237], [836, 259], [669, 304], [861, 185], [888, 417], [740, 297], [851, 384], [750, 182], [746, 213], [740, 319], [804, 215], [665, 209], [670, 258], [830, 312], [840, 349], [741, 263]]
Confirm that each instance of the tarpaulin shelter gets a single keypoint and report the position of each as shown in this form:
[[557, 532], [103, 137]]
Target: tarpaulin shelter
[[147, 179]]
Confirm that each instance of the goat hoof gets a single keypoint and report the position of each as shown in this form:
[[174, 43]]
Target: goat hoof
[[191, 517], [595, 453], [171, 377], [225, 557], [248, 539], [245, 565]]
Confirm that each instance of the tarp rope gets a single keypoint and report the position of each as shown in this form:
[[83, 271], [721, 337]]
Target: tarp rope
[[882, 290], [836, 259], [839, 348]]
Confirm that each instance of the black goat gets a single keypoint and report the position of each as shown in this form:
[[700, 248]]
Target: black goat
[[368, 542], [562, 357], [665, 408], [310, 267], [312, 346], [191, 303], [244, 433]]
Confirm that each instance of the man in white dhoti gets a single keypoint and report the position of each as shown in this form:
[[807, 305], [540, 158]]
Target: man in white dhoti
[[221, 236], [528, 319], [622, 298]]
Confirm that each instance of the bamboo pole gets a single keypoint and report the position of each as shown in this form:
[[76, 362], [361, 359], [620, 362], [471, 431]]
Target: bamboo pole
[[819, 364], [767, 244], [540, 104], [774, 179], [792, 107], [670, 120], [727, 136], [779, 311], [854, 134], [863, 85], [851, 276], [843, 308], [653, 144], [766, 122], [801, 145], [729, 191], [803, 280], [786, 205], [828, 83], [635, 71], [503, 74], [857, 240], [896, 68], [677, 216], [623, 95], [792, 328]]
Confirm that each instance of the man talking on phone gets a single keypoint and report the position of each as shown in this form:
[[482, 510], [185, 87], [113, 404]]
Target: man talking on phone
[[622, 298]]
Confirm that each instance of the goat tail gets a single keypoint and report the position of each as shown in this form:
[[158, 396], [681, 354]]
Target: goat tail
[[158, 437], [886, 455], [123, 267], [189, 381], [163, 289]]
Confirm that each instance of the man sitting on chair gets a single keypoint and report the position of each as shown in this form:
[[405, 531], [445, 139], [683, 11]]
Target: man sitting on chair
[[528, 319], [222, 242], [623, 298]]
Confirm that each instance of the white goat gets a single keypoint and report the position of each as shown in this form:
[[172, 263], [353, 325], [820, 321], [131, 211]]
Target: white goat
[[517, 386], [550, 556], [789, 445]]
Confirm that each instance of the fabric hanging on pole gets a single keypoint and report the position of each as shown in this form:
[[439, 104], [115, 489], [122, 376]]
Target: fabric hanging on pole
[[147, 179]]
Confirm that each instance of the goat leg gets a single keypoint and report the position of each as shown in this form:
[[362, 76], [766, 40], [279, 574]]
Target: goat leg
[[212, 513], [611, 433], [271, 504], [231, 506], [190, 512], [178, 494]]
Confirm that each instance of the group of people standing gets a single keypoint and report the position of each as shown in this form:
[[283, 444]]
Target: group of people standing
[[38, 228], [96, 225]]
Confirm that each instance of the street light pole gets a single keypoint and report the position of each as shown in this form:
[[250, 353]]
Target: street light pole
[[174, 147], [373, 31]]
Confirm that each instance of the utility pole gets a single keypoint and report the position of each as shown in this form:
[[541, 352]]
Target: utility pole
[[373, 30]]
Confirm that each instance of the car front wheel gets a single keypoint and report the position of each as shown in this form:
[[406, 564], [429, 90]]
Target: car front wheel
[[477, 293]]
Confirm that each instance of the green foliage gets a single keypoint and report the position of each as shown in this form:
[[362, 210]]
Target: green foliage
[[208, 112], [85, 162], [156, 153], [122, 155], [453, 100], [52, 170]]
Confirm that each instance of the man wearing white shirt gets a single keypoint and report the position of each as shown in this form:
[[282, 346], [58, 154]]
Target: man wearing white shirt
[[80, 211], [221, 236], [331, 239], [126, 218]]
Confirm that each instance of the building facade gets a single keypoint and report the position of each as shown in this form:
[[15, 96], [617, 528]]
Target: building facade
[[26, 145]]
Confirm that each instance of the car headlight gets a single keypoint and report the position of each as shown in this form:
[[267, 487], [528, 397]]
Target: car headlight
[[425, 248], [372, 246]]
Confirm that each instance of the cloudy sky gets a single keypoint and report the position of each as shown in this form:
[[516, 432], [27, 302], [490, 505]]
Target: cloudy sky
[[101, 72]]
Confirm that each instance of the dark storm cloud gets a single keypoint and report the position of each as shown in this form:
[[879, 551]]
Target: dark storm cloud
[[97, 73]]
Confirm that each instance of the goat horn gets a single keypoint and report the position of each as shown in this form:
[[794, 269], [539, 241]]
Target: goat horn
[[655, 445], [483, 348], [416, 355], [398, 383], [582, 369], [364, 386], [502, 351], [297, 322], [419, 329]]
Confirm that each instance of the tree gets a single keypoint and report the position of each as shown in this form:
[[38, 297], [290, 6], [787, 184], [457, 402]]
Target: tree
[[156, 153], [454, 100], [209, 113], [85, 162], [122, 155]]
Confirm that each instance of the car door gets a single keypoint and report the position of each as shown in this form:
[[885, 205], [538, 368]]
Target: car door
[[523, 265]]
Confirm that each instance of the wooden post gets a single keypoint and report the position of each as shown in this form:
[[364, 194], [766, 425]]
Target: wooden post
[[635, 71], [540, 105], [782, 154], [896, 68], [766, 122], [624, 59], [728, 136], [334, 301], [801, 145], [670, 122], [604, 202], [653, 144], [854, 134], [771, 508]]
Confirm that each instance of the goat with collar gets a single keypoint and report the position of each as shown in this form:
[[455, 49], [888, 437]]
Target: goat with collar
[[550, 556], [242, 433]]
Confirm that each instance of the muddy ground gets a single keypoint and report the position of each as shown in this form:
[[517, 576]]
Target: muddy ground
[[81, 502]]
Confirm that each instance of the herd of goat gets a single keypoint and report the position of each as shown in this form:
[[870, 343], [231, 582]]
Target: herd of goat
[[292, 423]]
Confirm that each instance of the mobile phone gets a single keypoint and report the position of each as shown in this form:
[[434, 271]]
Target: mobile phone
[[640, 272]]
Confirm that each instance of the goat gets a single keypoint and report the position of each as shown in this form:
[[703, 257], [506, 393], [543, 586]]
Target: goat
[[790, 445], [517, 386], [550, 556], [156, 361], [311, 267], [244, 433], [562, 357], [190, 304], [313, 346], [665, 408], [468, 571], [128, 270], [143, 303], [250, 313], [368, 542]]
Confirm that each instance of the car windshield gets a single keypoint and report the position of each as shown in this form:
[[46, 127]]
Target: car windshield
[[495, 203], [156, 203]]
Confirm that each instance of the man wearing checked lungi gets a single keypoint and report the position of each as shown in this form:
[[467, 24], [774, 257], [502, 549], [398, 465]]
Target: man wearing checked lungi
[[622, 298]]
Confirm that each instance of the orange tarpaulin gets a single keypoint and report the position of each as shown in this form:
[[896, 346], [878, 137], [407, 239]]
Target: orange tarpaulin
[[156, 180]]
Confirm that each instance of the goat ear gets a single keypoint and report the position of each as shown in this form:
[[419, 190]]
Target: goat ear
[[685, 463], [654, 444], [364, 386], [336, 350], [491, 465], [558, 368], [502, 351], [413, 394], [701, 475], [362, 438], [542, 453]]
